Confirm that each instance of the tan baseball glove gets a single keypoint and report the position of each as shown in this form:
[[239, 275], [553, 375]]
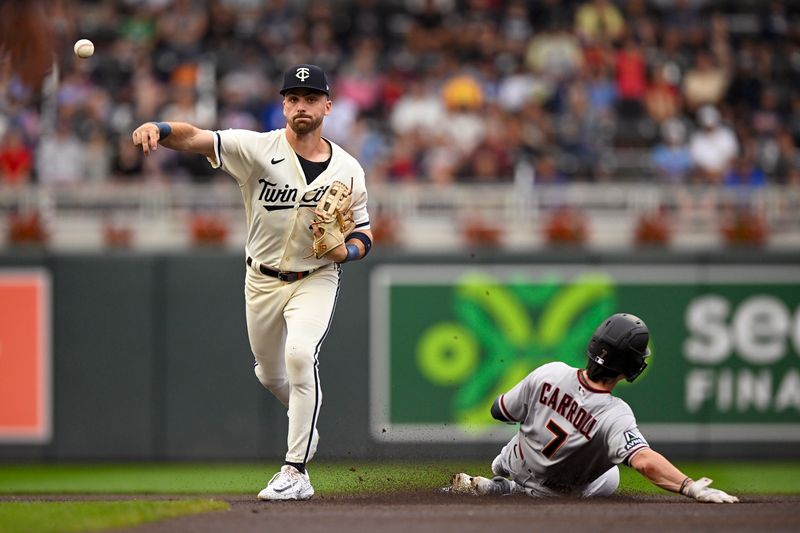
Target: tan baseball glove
[[333, 219]]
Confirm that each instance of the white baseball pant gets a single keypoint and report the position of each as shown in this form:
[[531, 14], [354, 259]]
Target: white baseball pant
[[286, 324], [604, 485]]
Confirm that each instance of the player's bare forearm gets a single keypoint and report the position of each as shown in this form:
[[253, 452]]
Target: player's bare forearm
[[656, 468], [338, 254], [182, 136], [189, 138]]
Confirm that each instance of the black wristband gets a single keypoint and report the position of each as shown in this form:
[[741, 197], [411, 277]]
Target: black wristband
[[684, 484], [164, 129], [365, 240]]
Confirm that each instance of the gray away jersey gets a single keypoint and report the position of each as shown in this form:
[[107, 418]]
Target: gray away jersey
[[570, 432], [278, 201]]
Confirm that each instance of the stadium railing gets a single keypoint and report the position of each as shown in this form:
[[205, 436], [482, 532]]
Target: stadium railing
[[423, 216]]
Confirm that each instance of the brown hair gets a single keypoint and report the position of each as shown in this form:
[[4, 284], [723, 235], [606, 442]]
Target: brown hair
[[598, 373]]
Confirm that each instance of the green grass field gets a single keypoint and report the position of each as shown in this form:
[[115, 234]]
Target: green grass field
[[52, 517], [356, 477], [329, 478]]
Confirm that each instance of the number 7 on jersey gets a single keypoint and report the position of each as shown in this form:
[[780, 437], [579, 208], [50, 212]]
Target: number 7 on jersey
[[559, 437]]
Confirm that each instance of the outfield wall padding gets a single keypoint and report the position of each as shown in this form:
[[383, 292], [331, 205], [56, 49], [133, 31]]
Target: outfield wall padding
[[150, 359]]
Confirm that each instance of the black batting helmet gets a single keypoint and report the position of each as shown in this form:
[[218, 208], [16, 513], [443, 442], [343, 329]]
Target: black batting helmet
[[620, 344]]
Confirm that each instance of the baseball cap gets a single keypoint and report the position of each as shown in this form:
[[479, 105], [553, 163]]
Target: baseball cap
[[305, 76]]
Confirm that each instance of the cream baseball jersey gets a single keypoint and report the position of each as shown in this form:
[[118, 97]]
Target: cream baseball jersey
[[570, 432], [278, 201]]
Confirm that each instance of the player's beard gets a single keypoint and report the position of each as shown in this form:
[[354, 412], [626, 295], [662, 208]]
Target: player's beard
[[305, 124]]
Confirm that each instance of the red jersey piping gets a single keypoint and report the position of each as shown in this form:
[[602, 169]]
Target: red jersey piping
[[505, 411], [589, 387]]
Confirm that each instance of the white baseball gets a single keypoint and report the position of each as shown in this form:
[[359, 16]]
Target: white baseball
[[84, 48]]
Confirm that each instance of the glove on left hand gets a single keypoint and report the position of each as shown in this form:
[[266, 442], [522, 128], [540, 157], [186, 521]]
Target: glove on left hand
[[333, 219]]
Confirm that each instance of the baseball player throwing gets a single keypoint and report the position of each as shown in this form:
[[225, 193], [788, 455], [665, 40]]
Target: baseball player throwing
[[306, 205], [573, 433]]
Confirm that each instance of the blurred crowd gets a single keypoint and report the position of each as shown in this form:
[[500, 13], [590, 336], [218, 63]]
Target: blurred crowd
[[441, 91]]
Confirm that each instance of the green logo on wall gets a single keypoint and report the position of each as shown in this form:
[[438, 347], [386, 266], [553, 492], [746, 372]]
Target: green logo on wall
[[498, 332]]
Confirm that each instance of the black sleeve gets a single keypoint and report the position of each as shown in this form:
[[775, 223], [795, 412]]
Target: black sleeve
[[497, 413]]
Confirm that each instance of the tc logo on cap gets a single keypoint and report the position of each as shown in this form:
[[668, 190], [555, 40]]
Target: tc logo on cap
[[305, 76]]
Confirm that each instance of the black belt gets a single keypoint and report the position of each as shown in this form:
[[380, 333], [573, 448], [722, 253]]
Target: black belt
[[280, 274]]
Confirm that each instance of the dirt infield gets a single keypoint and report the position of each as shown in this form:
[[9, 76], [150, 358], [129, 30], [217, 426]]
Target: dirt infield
[[444, 513]]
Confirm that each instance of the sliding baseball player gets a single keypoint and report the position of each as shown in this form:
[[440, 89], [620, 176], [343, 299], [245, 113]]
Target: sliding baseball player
[[573, 432]]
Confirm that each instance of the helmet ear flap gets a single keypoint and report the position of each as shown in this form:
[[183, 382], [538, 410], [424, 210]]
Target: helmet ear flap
[[633, 375]]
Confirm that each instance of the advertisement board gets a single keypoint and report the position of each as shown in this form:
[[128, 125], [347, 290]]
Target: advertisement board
[[25, 409], [446, 340]]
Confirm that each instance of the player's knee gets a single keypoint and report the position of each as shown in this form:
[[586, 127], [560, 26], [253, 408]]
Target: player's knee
[[271, 383], [612, 483], [299, 361], [605, 485], [498, 469]]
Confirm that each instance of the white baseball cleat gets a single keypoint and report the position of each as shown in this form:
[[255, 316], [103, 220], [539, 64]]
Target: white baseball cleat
[[477, 485], [287, 484]]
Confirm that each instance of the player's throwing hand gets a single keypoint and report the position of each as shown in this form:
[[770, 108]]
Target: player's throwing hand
[[148, 134]]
